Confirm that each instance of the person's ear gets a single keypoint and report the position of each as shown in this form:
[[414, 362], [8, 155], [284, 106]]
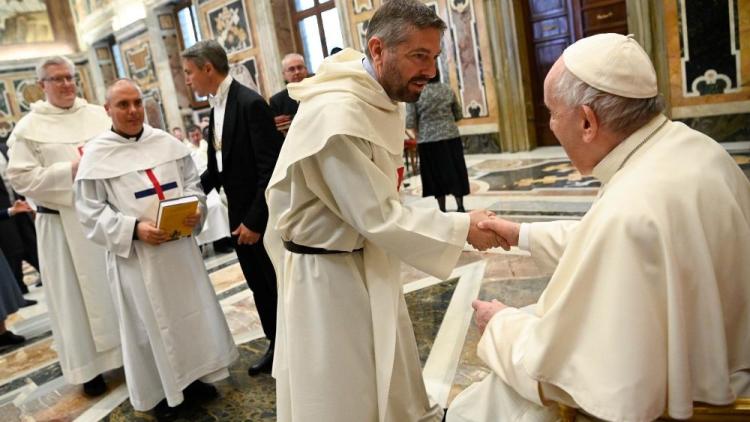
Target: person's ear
[[376, 47], [590, 124]]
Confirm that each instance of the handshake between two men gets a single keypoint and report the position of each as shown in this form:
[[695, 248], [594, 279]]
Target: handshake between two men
[[487, 231]]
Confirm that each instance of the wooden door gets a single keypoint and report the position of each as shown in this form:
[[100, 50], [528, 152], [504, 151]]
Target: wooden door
[[551, 26]]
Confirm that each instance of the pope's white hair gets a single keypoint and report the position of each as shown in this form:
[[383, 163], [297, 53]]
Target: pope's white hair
[[616, 113], [41, 67]]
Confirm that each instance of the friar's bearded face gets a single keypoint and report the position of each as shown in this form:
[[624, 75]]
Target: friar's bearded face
[[406, 68]]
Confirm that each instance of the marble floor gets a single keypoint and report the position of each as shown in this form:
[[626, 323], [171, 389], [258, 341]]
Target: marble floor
[[534, 186]]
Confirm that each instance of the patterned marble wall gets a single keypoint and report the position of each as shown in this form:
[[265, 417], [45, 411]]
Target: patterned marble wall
[[464, 63], [137, 58], [19, 89], [233, 24], [708, 49]]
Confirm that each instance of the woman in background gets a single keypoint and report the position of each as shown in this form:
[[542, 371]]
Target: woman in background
[[441, 156]]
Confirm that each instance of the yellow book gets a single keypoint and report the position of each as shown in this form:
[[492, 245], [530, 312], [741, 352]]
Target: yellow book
[[172, 213]]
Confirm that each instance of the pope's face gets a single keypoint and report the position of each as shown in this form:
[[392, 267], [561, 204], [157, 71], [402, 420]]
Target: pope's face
[[565, 121], [294, 69], [198, 78], [59, 85], [125, 107], [405, 69]]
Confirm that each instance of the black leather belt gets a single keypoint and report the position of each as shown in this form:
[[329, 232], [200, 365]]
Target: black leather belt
[[44, 210], [307, 250]]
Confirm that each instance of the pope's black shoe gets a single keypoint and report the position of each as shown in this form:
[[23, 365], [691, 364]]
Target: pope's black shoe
[[95, 387], [263, 365], [199, 391]]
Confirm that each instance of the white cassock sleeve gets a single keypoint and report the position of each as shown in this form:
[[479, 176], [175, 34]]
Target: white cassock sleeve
[[365, 198], [101, 223], [502, 347], [51, 185], [547, 242], [192, 186]]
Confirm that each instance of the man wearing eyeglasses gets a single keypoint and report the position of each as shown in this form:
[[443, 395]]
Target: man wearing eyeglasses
[[44, 150], [284, 108]]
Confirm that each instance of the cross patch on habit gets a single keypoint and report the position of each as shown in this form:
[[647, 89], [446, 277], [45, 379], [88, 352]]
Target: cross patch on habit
[[158, 188]]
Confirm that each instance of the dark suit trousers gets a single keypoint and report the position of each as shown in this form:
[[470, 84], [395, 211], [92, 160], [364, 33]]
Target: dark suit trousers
[[15, 262], [261, 278]]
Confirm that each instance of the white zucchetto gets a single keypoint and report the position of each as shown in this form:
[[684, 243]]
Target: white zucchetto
[[612, 63]]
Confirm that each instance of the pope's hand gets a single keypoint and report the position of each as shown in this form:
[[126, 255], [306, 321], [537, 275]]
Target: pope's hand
[[193, 220], [245, 236], [506, 231], [147, 232], [480, 239], [484, 311]]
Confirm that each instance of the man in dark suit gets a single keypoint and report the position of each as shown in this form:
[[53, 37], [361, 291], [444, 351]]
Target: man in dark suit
[[284, 108], [243, 145], [17, 234]]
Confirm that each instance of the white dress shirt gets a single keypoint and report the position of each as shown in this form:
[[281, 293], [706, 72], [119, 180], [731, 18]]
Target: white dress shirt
[[219, 104]]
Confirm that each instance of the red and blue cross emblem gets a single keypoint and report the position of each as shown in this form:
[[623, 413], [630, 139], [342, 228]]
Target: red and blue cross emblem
[[158, 188]]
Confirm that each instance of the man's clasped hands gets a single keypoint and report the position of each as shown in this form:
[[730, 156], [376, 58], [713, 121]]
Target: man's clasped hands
[[487, 231]]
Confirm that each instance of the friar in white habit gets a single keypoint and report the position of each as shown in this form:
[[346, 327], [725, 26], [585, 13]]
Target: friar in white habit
[[44, 152], [175, 338], [338, 232], [647, 311]]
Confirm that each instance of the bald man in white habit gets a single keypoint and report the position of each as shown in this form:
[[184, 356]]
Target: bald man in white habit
[[175, 339], [647, 310]]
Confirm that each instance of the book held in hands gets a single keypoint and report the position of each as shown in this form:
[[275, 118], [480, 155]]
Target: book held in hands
[[172, 214]]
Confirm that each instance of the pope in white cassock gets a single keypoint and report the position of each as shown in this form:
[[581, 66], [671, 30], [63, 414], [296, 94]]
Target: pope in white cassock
[[647, 310], [44, 151], [337, 232], [174, 334]]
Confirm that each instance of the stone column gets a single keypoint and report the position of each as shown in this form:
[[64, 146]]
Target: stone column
[[516, 130], [172, 113], [274, 81], [97, 81]]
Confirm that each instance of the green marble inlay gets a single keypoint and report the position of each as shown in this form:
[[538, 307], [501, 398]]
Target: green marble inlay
[[241, 398], [426, 309]]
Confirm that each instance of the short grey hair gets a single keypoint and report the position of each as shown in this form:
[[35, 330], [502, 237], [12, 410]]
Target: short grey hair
[[41, 67], [291, 56], [395, 20], [616, 113], [110, 88], [208, 51]]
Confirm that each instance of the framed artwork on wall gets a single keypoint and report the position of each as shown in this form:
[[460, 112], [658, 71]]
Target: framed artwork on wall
[[228, 25]]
